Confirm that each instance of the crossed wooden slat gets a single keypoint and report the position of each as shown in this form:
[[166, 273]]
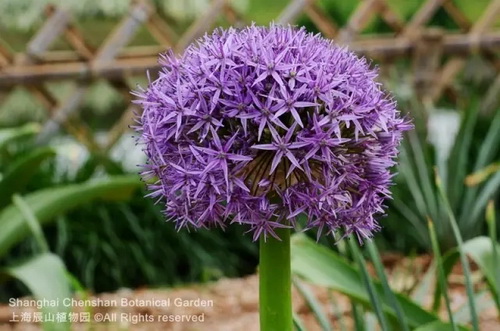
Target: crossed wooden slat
[[59, 23], [430, 80], [113, 61], [455, 65]]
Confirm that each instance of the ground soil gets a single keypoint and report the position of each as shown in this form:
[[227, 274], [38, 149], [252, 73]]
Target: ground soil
[[235, 303]]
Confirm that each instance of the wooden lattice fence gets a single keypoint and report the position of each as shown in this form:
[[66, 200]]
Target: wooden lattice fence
[[114, 61]]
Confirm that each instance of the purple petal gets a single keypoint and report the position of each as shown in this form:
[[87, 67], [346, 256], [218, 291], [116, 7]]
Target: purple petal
[[267, 147]]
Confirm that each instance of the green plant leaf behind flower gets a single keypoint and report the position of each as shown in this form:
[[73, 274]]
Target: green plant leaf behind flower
[[321, 266], [48, 203], [19, 174], [9, 135], [45, 277], [438, 326]]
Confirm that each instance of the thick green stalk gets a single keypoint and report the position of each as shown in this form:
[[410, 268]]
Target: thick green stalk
[[275, 292]]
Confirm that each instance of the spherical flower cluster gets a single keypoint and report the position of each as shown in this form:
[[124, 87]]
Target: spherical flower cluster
[[260, 125]]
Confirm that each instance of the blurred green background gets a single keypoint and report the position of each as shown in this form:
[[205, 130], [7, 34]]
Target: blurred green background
[[109, 240]]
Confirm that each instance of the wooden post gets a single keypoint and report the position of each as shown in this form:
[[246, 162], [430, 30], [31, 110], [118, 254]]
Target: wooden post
[[422, 16], [321, 20], [426, 61], [292, 11], [358, 20]]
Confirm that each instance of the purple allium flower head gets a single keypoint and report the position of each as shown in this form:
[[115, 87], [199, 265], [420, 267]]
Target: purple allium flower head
[[260, 125]]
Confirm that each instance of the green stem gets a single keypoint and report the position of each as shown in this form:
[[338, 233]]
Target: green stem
[[275, 292]]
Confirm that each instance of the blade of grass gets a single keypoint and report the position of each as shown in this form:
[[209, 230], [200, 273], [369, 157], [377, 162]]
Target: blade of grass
[[389, 294], [11, 134], [407, 170], [449, 259], [463, 257], [45, 277], [424, 176], [357, 316], [62, 235], [459, 155], [322, 266], [488, 149], [492, 227], [480, 250], [50, 202], [489, 189], [441, 275], [313, 304], [370, 321], [32, 222], [374, 299], [20, 172], [438, 326], [490, 144], [417, 223], [297, 322]]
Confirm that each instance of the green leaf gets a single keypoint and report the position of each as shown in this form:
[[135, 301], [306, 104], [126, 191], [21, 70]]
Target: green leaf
[[358, 316], [20, 173], [406, 168], [368, 283], [441, 275], [48, 203], [423, 174], [418, 230], [492, 228], [490, 188], [450, 258], [487, 151], [389, 294], [297, 322], [438, 326], [459, 157], [32, 222], [481, 251], [10, 134], [313, 304], [45, 277], [462, 254], [490, 144], [371, 321], [322, 266]]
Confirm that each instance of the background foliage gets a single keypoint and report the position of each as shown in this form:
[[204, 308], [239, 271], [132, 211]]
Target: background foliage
[[108, 244]]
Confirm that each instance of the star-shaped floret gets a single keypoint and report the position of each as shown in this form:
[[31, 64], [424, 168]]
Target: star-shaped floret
[[282, 146]]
